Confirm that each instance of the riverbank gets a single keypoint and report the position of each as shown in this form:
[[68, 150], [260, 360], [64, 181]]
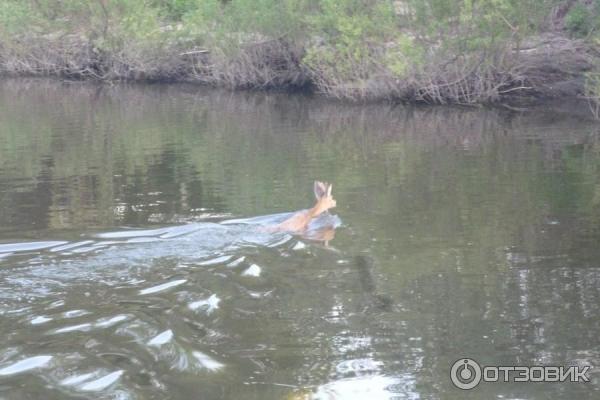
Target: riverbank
[[354, 50]]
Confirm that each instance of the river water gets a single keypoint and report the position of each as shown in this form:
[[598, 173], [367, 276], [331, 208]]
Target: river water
[[134, 265]]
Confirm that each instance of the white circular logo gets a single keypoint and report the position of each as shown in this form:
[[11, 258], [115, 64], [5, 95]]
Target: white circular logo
[[465, 374]]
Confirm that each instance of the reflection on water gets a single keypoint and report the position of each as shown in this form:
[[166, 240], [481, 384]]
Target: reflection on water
[[132, 263]]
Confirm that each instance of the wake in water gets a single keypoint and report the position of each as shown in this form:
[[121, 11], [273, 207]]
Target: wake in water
[[31, 268], [93, 317]]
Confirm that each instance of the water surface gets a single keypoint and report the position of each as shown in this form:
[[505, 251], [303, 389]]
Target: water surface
[[131, 266]]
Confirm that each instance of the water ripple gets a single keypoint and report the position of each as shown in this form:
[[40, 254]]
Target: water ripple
[[253, 270], [209, 304], [25, 365], [163, 286], [161, 338], [103, 382]]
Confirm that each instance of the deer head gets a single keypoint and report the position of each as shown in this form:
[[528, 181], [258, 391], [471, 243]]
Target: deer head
[[325, 200]]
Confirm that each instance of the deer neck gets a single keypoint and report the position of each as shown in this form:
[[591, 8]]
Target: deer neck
[[317, 210]]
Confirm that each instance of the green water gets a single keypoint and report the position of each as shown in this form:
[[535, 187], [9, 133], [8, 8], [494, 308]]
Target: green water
[[464, 233]]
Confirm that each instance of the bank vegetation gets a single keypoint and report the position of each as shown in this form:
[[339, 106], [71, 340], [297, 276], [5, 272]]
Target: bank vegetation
[[434, 51]]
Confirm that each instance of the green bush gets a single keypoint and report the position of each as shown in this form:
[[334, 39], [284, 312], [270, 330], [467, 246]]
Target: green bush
[[176, 9], [16, 17], [352, 36], [581, 19]]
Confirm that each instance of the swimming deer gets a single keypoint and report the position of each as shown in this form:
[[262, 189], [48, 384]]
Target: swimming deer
[[300, 220]]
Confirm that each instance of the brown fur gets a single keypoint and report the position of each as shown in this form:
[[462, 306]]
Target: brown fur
[[300, 220]]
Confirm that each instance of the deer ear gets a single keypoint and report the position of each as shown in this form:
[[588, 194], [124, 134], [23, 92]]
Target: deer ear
[[319, 189], [329, 189]]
